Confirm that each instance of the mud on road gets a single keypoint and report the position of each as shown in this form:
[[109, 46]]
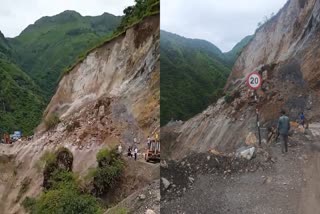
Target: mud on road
[[269, 183]]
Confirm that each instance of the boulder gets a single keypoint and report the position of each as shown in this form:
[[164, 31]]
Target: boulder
[[251, 139], [101, 110], [142, 197], [163, 164], [150, 211], [246, 153], [191, 179], [165, 183]]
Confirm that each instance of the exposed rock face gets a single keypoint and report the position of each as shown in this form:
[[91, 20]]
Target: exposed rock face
[[109, 98], [286, 52], [125, 70]]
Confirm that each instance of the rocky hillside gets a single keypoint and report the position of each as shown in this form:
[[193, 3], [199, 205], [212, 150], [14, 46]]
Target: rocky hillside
[[111, 97], [285, 51], [32, 63]]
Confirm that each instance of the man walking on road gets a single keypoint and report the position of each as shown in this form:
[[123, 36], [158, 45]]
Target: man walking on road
[[283, 130]]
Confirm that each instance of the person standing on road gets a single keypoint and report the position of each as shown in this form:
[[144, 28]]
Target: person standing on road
[[283, 130], [120, 149], [129, 152], [302, 119], [135, 153], [148, 142]]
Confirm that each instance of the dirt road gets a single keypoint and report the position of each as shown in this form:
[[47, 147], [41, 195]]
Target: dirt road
[[282, 184]]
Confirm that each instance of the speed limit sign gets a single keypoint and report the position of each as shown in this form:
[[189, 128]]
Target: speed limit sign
[[254, 80]]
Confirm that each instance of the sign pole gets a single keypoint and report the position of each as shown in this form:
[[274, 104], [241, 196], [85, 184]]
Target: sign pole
[[254, 81], [257, 113]]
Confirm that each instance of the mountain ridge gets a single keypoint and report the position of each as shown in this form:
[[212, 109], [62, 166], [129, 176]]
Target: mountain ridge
[[198, 71]]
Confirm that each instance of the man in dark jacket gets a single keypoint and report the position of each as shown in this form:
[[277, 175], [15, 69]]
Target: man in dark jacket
[[283, 130]]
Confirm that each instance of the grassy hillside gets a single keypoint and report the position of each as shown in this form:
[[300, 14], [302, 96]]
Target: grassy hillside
[[20, 103], [232, 55], [193, 74], [49, 45]]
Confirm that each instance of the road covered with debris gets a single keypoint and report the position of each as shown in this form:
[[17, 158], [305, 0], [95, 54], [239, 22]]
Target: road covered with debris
[[268, 182]]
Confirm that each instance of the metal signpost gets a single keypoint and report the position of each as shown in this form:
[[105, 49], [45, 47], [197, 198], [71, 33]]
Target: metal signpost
[[254, 81]]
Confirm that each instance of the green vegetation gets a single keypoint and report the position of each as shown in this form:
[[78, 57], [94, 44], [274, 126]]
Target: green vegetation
[[20, 102], [61, 201], [47, 157], [236, 50], [29, 204], [52, 121], [193, 74], [32, 63], [133, 15], [49, 45], [109, 170], [62, 193], [141, 9]]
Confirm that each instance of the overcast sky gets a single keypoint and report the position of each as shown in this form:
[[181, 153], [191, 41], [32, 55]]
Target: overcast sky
[[222, 22], [16, 15]]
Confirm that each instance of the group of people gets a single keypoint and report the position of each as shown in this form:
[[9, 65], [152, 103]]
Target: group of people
[[284, 128], [130, 150], [134, 150]]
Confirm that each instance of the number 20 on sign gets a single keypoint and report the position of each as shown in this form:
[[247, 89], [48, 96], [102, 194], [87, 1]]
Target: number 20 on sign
[[254, 80]]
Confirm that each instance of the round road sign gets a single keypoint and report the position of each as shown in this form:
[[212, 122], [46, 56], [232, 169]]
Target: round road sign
[[254, 80]]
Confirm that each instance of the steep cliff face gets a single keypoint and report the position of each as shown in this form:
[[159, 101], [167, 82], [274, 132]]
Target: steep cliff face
[[109, 98], [286, 52], [122, 75]]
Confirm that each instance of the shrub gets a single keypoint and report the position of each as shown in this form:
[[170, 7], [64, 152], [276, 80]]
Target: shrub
[[47, 157], [61, 161], [52, 121], [106, 157], [62, 194], [62, 179], [105, 178], [109, 170], [29, 204], [66, 200]]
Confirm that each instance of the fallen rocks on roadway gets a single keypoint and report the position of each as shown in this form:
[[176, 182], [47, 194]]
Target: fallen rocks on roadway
[[165, 183], [245, 152], [163, 164]]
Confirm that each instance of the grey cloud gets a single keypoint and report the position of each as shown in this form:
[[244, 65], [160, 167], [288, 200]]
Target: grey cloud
[[224, 23]]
